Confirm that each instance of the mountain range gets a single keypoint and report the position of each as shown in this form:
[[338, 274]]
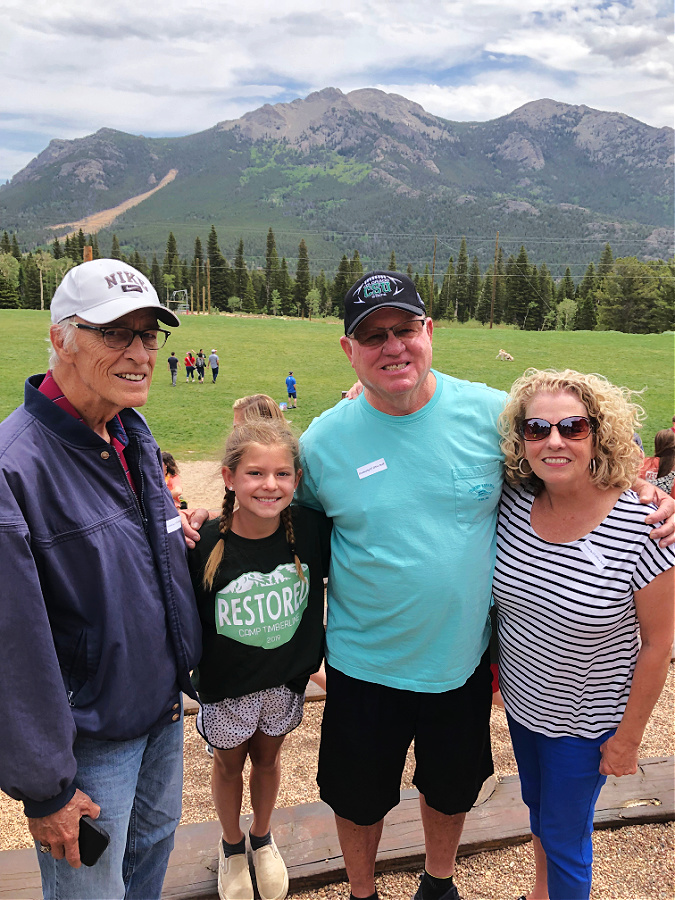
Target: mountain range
[[366, 171]]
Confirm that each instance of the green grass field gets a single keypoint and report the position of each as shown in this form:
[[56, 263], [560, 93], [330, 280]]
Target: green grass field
[[192, 420]]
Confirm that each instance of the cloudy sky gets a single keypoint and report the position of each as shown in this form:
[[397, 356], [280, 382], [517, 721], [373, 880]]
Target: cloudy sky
[[68, 69]]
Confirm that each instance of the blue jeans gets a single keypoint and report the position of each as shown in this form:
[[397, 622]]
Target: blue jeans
[[138, 786], [560, 783]]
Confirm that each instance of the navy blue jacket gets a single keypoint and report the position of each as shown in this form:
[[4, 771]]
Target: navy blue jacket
[[98, 623]]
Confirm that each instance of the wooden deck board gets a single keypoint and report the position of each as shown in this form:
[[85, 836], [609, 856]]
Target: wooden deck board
[[307, 839]]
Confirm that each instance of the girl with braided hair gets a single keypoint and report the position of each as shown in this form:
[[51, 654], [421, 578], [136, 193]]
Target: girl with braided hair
[[258, 575]]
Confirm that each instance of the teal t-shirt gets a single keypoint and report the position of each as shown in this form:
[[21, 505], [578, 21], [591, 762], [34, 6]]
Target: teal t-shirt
[[413, 501]]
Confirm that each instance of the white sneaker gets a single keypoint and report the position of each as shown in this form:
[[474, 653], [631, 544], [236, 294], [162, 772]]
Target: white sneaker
[[234, 878], [271, 874]]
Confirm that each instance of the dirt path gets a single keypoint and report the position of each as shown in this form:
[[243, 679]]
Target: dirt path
[[99, 220]]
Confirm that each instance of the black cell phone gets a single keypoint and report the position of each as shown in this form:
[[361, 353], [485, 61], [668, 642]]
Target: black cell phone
[[92, 842]]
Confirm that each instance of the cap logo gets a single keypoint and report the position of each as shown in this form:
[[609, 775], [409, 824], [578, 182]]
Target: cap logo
[[377, 287], [129, 281]]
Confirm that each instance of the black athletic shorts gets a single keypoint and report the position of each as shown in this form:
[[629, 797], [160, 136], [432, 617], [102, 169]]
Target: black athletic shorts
[[367, 730]]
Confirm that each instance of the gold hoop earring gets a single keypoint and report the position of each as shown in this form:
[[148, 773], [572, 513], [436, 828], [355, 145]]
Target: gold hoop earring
[[593, 466], [520, 462]]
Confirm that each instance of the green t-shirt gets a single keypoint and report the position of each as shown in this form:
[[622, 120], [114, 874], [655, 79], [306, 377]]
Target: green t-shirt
[[413, 501], [262, 625]]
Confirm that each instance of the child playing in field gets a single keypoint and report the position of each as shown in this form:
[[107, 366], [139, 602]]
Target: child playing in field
[[172, 478], [258, 576]]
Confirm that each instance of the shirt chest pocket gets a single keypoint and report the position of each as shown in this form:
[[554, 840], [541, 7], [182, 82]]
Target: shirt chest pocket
[[477, 490]]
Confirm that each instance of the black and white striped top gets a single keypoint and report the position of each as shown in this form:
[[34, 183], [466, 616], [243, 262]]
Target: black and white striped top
[[568, 636]]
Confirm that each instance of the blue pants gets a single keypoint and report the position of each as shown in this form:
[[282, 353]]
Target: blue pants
[[560, 783], [137, 784]]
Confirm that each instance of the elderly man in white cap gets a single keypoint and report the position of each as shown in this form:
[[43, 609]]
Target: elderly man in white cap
[[97, 624]]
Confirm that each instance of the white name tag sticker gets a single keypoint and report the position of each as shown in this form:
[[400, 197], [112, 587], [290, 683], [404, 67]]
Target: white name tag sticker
[[593, 555], [371, 468], [173, 524]]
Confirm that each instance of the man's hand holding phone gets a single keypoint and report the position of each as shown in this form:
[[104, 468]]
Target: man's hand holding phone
[[59, 833]]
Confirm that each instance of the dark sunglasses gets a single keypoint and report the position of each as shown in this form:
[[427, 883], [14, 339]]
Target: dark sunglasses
[[572, 428]]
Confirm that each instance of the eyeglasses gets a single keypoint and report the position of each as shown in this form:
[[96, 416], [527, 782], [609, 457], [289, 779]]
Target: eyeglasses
[[405, 331], [121, 338], [572, 428]]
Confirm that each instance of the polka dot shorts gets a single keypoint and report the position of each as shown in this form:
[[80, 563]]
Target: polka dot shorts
[[230, 722]]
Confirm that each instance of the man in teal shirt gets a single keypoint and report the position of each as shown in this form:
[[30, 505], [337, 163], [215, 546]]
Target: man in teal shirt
[[411, 474]]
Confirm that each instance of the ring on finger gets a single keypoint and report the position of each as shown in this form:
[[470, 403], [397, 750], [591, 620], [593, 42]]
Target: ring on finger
[[45, 848]]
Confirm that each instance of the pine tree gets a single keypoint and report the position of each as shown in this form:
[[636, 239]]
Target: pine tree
[[446, 301], [220, 273], [356, 267], [636, 297], [96, 253], [271, 265], [198, 274], [30, 296], [240, 270], [303, 283], [547, 293], [589, 281], [324, 296], [424, 287], [566, 289], [519, 288], [156, 276], [249, 304], [392, 262], [115, 252], [171, 268], [500, 290], [606, 262], [534, 313], [586, 318], [57, 250], [16, 252], [72, 249], [461, 311], [81, 243], [259, 283], [9, 296], [5, 246], [482, 312], [285, 288], [138, 262], [343, 281], [474, 286]]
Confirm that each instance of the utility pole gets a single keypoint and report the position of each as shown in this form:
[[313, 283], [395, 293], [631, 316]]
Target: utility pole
[[433, 270], [494, 281], [208, 282]]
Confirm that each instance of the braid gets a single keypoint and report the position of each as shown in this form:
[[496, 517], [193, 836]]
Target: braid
[[287, 519], [224, 525]]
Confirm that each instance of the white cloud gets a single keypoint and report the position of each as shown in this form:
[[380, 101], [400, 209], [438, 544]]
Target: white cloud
[[67, 71]]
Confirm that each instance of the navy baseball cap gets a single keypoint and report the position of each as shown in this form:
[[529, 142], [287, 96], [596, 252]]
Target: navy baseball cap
[[377, 290]]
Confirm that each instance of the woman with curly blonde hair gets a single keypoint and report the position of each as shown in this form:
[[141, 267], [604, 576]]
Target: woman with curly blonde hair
[[576, 577]]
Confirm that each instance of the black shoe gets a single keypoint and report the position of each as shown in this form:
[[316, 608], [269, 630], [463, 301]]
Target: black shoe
[[450, 894]]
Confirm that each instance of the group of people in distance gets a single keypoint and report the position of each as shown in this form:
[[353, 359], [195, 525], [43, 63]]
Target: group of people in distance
[[194, 365], [424, 500]]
